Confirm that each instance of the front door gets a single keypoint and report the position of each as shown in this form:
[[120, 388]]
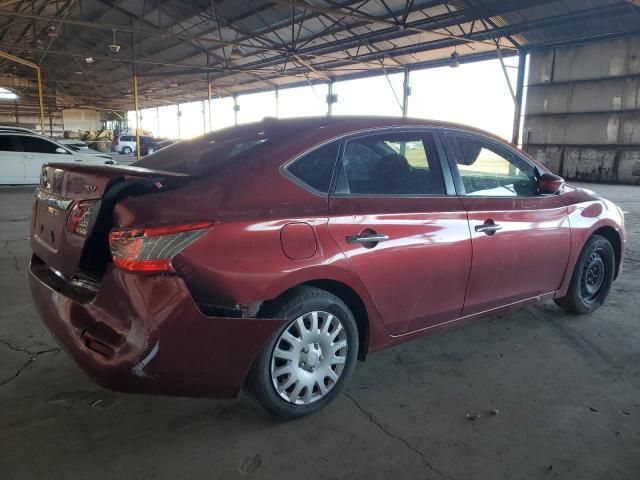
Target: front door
[[407, 240], [520, 239]]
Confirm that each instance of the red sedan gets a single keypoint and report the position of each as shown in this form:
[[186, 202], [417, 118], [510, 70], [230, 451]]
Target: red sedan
[[276, 254]]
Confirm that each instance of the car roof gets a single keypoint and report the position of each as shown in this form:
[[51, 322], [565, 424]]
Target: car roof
[[13, 128], [343, 125]]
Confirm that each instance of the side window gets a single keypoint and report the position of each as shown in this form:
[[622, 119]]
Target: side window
[[37, 145], [6, 143], [391, 164], [489, 170], [315, 169]]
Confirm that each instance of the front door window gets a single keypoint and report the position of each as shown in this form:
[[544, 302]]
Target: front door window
[[490, 170]]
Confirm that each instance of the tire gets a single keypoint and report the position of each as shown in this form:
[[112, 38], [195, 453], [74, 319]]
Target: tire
[[592, 277], [305, 373], [104, 146], [150, 150], [127, 151]]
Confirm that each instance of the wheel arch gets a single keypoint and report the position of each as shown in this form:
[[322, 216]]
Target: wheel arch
[[350, 297], [612, 235]]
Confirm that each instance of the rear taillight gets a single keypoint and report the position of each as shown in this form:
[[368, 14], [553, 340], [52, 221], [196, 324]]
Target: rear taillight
[[79, 216], [150, 249]]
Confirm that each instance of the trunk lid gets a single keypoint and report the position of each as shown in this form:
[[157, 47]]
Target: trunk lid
[[100, 187]]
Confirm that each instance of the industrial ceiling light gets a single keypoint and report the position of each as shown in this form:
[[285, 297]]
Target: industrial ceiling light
[[52, 32], [114, 48], [236, 53], [6, 94], [455, 60]]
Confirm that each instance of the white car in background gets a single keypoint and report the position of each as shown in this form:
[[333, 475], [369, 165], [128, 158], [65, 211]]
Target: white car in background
[[80, 147], [23, 153]]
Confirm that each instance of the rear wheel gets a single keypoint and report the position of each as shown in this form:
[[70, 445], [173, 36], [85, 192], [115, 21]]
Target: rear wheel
[[592, 277], [306, 364], [127, 150]]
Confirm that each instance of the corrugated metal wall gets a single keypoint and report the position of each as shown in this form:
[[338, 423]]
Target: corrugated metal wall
[[582, 116]]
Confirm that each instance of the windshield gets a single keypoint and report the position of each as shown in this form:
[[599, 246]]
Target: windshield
[[200, 155]]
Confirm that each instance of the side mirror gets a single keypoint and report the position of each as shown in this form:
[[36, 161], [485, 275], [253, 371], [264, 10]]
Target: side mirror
[[61, 150], [549, 183]]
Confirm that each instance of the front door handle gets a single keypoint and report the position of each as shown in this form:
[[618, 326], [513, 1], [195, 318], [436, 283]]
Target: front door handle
[[488, 227], [367, 238]]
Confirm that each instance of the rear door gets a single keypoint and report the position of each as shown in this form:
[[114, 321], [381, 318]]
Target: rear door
[[520, 239], [406, 238], [11, 161], [37, 151]]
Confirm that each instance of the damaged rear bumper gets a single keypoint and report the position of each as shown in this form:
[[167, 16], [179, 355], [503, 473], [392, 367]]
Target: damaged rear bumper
[[144, 334]]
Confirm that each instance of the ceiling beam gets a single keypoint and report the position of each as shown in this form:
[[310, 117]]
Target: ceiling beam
[[376, 20], [139, 31]]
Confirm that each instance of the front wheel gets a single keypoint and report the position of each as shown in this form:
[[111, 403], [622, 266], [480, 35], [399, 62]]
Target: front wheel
[[307, 363], [592, 277], [127, 150]]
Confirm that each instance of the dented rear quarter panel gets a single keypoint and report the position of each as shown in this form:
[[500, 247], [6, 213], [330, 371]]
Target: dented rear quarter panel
[[241, 260]]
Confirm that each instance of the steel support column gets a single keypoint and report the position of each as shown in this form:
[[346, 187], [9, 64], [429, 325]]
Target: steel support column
[[517, 111], [135, 101], [209, 94], [330, 98], [235, 109], [204, 119], [178, 114], [406, 91]]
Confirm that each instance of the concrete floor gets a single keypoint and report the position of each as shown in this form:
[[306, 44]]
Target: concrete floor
[[566, 390]]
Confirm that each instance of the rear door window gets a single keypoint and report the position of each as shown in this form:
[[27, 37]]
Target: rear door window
[[394, 163]]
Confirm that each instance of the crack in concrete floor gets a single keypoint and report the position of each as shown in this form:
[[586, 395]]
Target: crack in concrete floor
[[405, 442]]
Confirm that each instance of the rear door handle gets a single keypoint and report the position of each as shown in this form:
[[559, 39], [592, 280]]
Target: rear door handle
[[488, 227], [367, 238]]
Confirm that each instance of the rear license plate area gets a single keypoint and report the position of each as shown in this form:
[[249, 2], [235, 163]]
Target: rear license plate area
[[48, 225]]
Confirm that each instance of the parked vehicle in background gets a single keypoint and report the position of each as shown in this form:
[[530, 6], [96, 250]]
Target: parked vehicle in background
[[126, 144], [154, 146], [74, 144], [22, 155], [276, 254], [80, 147]]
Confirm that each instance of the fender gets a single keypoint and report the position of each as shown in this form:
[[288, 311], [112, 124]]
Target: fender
[[588, 213]]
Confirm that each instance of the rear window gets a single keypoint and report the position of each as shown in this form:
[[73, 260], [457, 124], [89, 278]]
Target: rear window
[[201, 154]]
